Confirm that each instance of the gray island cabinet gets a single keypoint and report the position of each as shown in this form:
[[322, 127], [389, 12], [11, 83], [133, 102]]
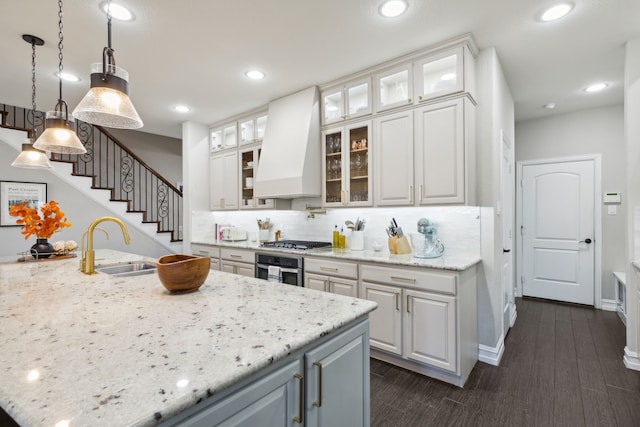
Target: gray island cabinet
[[102, 350]]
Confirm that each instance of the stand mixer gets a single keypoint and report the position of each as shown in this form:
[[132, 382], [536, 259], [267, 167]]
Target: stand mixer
[[432, 247]]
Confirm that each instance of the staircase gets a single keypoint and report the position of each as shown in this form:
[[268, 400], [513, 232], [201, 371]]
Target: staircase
[[114, 176]]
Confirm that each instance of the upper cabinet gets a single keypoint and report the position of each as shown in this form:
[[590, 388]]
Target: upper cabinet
[[252, 128], [439, 75], [224, 137], [394, 87], [346, 101]]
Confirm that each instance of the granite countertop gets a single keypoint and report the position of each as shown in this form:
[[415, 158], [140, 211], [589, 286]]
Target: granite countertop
[[101, 350], [457, 260]]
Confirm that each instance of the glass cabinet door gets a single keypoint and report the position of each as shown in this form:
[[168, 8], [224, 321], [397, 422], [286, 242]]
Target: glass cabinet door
[[333, 193], [261, 126], [394, 88], [246, 132], [439, 75], [358, 96], [229, 136], [359, 165], [333, 106], [247, 166], [216, 139]]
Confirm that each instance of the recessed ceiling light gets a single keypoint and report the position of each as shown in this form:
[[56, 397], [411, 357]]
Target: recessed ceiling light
[[182, 108], [550, 105], [67, 77], [118, 11], [596, 87], [393, 8], [448, 76], [556, 12], [255, 74]]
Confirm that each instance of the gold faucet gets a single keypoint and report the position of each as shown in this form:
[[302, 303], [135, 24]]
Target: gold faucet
[[87, 264]]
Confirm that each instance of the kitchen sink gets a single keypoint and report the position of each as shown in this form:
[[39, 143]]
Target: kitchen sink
[[132, 268]]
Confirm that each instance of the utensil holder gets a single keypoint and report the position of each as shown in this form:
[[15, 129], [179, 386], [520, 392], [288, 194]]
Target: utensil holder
[[263, 235], [357, 240]]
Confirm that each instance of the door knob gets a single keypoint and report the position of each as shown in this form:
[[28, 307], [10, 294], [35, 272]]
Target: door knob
[[506, 251], [587, 241]]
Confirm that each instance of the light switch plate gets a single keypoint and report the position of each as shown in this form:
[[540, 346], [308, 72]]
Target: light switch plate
[[612, 209]]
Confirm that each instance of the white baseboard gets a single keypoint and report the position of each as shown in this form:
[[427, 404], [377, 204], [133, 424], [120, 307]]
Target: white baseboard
[[631, 359], [514, 316], [609, 305], [491, 355]]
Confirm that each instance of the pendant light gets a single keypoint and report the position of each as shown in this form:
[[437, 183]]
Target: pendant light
[[59, 135], [107, 103], [29, 157]]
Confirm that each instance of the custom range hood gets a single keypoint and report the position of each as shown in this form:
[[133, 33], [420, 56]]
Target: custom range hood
[[290, 160]]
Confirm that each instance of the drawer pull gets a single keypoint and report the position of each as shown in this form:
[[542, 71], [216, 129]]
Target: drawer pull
[[318, 402], [405, 279], [299, 419], [235, 256], [323, 267], [203, 252]]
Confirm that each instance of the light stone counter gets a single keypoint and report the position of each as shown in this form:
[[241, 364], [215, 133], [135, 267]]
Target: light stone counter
[[106, 351], [451, 260]]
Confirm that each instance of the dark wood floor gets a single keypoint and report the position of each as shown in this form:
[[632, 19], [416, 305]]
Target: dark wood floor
[[562, 366]]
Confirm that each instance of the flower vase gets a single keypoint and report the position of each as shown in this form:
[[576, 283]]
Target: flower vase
[[42, 249]]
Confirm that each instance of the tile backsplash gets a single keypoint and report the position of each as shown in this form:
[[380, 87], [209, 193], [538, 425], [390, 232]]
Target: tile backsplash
[[458, 226]]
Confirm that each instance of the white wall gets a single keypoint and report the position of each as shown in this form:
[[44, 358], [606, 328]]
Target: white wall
[[79, 210], [495, 113], [590, 131]]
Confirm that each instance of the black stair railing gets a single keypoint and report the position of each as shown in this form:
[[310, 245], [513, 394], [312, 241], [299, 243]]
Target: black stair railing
[[114, 167]]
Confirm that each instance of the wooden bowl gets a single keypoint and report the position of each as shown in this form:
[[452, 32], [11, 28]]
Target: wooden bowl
[[183, 273]]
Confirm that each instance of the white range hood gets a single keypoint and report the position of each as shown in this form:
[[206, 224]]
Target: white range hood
[[290, 160]]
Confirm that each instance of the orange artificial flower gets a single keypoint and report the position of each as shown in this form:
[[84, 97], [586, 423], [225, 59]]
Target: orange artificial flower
[[52, 220]]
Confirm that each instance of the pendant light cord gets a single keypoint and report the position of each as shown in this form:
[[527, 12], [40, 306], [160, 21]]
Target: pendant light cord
[[107, 52], [61, 103], [33, 87]]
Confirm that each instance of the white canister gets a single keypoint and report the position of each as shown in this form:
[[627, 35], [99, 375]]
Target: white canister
[[357, 240], [263, 235]]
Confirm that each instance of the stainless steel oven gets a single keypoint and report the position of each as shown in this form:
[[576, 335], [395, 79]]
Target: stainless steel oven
[[285, 268]]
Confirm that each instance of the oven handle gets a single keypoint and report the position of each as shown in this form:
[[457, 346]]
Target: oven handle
[[282, 269]]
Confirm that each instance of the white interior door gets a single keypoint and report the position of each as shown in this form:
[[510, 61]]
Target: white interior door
[[558, 231], [507, 191]]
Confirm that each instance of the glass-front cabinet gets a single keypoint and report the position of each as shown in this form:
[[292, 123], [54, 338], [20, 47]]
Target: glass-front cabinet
[[347, 165], [394, 87], [249, 160], [440, 74], [251, 129], [224, 137], [346, 101]]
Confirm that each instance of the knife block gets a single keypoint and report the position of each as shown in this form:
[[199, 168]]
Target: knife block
[[399, 245]]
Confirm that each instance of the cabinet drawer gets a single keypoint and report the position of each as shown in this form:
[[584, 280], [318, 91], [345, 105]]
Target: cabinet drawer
[[204, 250], [237, 255], [332, 268], [429, 280]]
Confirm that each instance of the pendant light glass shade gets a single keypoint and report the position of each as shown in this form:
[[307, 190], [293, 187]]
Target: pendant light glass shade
[[107, 103], [59, 135], [31, 158]]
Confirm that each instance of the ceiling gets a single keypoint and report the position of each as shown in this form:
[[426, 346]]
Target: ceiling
[[195, 52]]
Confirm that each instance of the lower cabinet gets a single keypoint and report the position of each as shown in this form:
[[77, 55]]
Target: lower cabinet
[[338, 277], [210, 251], [425, 320], [331, 284], [323, 385], [238, 261]]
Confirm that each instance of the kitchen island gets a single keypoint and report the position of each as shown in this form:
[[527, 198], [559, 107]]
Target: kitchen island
[[96, 350]]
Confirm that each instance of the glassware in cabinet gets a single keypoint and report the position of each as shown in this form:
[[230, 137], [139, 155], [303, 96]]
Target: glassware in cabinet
[[247, 166], [359, 164], [333, 167]]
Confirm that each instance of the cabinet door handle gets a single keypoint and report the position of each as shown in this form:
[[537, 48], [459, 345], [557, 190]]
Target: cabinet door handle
[[409, 101], [411, 194], [420, 195], [406, 279], [300, 418], [318, 402], [324, 267], [420, 97], [408, 303], [398, 302]]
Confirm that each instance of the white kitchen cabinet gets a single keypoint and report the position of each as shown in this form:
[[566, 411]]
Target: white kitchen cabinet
[[346, 101], [251, 129], [430, 329], [426, 319], [224, 137], [325, 384], [337, 390], [338, 277], [439, 74], [394, 162], [223, 184], [238, 261], [394, 87], [347, 165], [440, 152], [386, 320], [209, 251]]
